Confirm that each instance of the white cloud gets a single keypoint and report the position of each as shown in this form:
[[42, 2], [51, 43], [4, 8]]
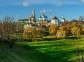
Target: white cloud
[[43, 11], [25, 3], [58, 4], [82, 0]]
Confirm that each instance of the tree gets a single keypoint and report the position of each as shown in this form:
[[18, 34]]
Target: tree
[[62, 32], [76, 28], [27, 34], [19, 27], [53, 29], [76, 31], [1, 30], [30, 33], [82, 33], [8, 26], [7, 30]]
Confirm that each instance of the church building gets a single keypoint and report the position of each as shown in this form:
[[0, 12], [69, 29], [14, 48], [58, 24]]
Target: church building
[[41, 21], [55, 20]]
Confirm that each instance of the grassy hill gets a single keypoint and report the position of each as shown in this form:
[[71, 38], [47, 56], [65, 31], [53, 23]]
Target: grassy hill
[[49, 51]]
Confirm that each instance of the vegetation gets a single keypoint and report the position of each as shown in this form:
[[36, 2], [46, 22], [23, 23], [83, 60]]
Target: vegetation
[[73, 28], [14, 45], [48, 51]]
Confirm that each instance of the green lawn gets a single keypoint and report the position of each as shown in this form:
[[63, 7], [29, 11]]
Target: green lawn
[[44, 51]]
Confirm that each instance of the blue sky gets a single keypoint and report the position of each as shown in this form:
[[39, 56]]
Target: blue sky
[[23, 8]]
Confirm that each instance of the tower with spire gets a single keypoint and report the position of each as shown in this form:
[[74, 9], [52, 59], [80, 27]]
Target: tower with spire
[[33, 17], [33, 12]]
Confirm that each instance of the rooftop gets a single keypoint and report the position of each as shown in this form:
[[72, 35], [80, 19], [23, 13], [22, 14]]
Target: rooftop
[[23, 19]]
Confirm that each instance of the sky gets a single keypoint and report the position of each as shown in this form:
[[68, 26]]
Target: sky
[[21, 9]]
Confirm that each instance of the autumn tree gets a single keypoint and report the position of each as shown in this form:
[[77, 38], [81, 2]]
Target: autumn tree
[[1, 30], [53, 29], [7, 30], [76, 29], [62, 32], [82, 33], [27, 34], [30, 33]]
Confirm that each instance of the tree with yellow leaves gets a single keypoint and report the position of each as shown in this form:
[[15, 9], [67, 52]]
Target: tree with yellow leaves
[[76, 31], [30, 33], [53, 29], [61, 33]]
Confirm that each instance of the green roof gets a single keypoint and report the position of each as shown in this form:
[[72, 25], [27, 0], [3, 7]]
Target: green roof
[[20, 24], [23, 20]]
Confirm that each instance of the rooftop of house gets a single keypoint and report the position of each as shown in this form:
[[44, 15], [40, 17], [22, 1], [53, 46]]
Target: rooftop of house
[[55, 17]]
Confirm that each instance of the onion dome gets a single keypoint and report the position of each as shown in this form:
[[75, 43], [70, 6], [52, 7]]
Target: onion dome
[[44, 16], [40, 17]]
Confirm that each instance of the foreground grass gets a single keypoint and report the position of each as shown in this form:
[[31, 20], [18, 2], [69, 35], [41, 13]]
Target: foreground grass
[[48, 51]]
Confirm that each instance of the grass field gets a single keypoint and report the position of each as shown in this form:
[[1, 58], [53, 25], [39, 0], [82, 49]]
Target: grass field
[[44, 51]]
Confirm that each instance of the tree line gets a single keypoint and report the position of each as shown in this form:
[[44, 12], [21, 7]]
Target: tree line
[[9, 30], [74, 28]]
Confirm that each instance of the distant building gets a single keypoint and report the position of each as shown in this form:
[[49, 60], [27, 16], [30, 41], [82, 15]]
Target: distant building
[[55, 20], [43, 17], [23, 20], [43, 21], [32, 21], [32, 18], [63, 19], [30, 25]]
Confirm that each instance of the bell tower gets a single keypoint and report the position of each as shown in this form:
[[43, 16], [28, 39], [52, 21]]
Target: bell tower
[[33, 12], [33, 16]]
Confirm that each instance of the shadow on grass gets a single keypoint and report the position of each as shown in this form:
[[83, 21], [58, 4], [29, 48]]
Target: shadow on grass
[[26, 52], [53, 56]]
